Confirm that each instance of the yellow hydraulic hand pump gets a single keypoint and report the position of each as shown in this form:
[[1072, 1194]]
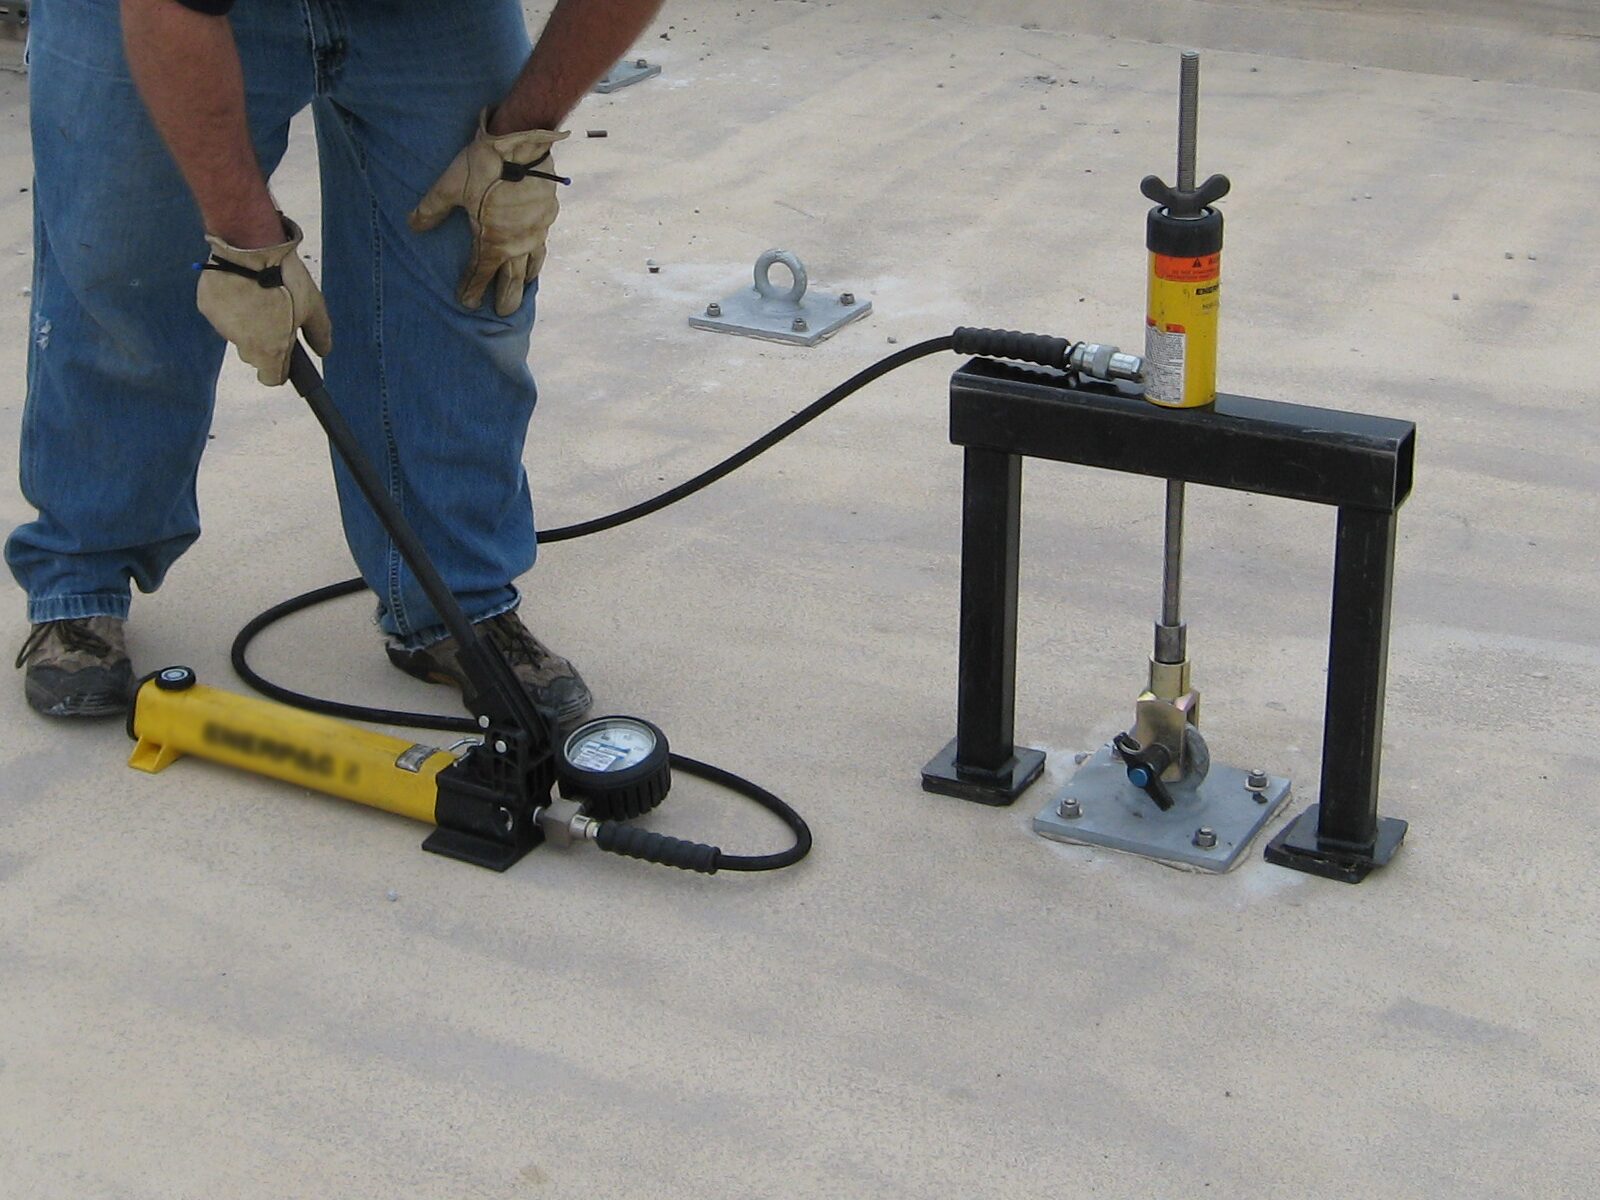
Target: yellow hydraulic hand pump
[[172, 715], [486, 805]]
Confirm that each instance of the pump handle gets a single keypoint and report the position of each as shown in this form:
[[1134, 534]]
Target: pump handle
[[496, 686]]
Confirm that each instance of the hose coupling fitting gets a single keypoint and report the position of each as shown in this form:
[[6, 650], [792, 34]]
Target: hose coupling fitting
[[1105, 362], [564, 822]]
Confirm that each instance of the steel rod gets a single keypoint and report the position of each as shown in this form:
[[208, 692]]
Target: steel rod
[[1188, 117], [1169, 635], [1172, 567]]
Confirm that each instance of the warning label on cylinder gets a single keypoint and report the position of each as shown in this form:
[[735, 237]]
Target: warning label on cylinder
[[1164, 351], [1199, 268]]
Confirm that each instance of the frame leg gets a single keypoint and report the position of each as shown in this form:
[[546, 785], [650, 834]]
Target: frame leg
[[982, 764], [1343, 837]]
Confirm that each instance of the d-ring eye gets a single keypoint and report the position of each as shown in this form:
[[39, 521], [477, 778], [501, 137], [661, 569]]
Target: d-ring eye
[[764, 284]]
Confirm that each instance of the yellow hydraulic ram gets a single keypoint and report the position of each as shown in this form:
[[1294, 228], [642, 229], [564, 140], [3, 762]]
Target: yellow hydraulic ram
[[172, 715], [1184, 237]]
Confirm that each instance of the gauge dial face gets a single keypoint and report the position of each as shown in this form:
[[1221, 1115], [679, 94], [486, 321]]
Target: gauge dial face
[[610, 744]]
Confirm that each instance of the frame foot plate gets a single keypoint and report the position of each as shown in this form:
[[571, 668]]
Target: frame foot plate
[[1297, 848], [999, 788]]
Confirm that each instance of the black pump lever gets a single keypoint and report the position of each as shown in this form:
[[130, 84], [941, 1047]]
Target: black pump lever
[[499, 695]]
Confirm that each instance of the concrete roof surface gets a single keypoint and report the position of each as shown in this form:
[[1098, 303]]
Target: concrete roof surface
[[205, 990]]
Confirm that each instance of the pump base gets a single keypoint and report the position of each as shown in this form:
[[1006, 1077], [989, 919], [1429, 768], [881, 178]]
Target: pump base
[[479, 851], [1298, 848], [998, 788], [1112, 812]]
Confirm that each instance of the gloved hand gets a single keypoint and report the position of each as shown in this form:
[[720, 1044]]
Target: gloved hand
[[260, 300], [507, 185]]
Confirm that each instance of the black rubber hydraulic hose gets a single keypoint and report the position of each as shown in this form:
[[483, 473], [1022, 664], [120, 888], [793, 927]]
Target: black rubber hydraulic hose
[[768, 801], [758, 447], [622, 840], [994, 343], [630, 841], [385, 716]]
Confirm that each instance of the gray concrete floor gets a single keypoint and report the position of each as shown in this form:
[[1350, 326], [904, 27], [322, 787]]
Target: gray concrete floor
[[204, 990]]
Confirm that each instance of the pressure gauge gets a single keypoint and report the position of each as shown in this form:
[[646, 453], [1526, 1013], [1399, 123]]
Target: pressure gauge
[[617, 767]]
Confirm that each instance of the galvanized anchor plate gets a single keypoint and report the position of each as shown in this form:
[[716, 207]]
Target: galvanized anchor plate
[[778, 315], [1118, 815], [627, 71]]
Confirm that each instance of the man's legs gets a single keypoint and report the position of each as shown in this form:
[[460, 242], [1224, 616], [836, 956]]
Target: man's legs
[[121, 365], [441, 396]]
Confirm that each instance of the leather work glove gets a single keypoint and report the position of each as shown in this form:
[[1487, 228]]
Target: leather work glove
[[507, 186], [260, 300]]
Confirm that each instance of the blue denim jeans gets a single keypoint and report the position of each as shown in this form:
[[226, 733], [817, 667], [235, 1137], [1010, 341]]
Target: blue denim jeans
[[122, 367]]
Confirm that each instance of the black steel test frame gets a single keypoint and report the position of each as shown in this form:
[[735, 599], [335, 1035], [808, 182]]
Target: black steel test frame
[[1361, 465]]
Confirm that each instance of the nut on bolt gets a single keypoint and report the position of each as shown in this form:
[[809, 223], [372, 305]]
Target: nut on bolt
[[1069, 808], [799, 325], [713, 309], [1205, 837], [847, 298]]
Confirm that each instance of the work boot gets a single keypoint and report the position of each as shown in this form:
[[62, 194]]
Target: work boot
[[552, 683], [77, 668]]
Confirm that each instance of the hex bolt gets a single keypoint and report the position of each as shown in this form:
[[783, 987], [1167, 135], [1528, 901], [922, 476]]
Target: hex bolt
[[1205, 837], [847, 298], [713, 309], [499, 747], [1069, 808], [483, 722], [799, 325]]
